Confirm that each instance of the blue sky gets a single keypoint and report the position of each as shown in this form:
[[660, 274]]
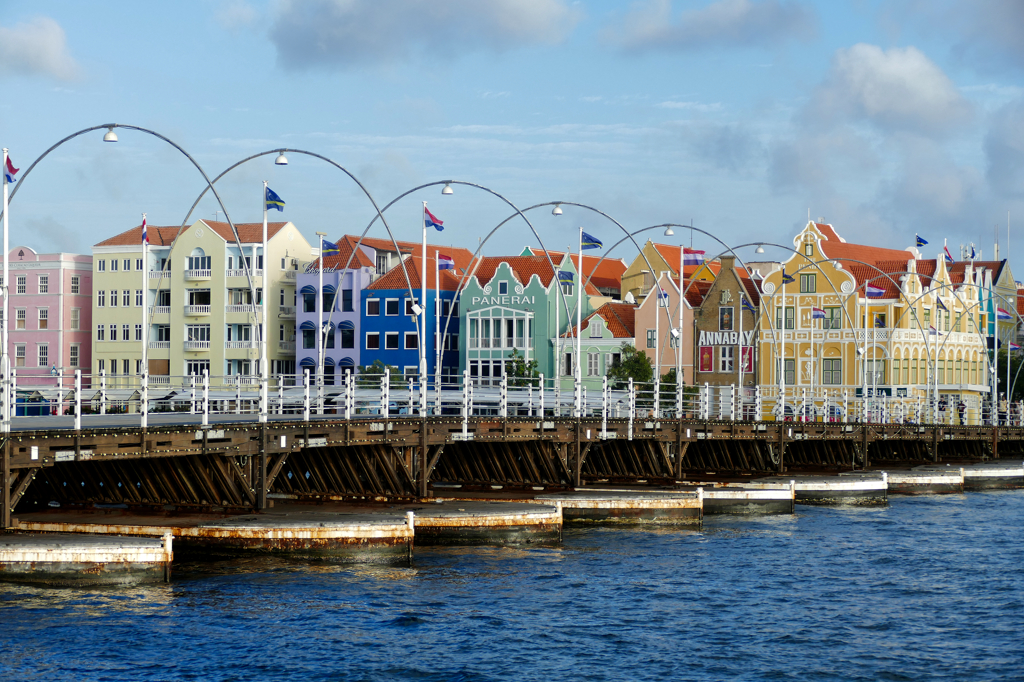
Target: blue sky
[[885, 118]]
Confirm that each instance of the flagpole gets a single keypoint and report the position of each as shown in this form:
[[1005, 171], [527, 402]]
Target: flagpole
[[679, 340], [438, 347], [145, 297], [5, 358], [579, 312], [264, 374], [321, 333], [782, 362], [556, 374], [423, 316]]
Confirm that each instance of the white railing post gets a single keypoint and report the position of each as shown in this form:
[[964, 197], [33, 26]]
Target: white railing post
[[60, 391], [465, 403], [825, 409], [206, 395], [103, 392], [264, 388], [280, 394], [385, 395], [529, 395], [732, 402], [412, 399], [348, 395], [632, 407], [604, 406], [657, 396], [846, 405], [78, 400], [679, 398], [305, 394], [503, 395], [320, 390], [143, 398], [238, 394], [541, 397], [192, 393], [705, 403]]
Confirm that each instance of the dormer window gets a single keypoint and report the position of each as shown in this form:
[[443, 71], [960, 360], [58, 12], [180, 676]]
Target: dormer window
[[596, 328], [808, 249], [502, 288]]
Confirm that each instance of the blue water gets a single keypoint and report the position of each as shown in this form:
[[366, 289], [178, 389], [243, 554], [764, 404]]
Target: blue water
[[928, 588]]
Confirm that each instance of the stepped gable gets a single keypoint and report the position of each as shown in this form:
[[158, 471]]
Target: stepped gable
[[608, 274], [524, 268]]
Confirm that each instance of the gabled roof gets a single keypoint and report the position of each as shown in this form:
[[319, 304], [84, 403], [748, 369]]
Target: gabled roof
[[347, 243], [620, 318], [696, 291], [248, 233], [395, 278], [672, 254], [608, 274], [524, 267]]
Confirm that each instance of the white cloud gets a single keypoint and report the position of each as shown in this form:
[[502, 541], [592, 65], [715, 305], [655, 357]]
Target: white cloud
[[235, 15], [895, 89], [36, 48], [691, 106], [346, 33], [739, 23]]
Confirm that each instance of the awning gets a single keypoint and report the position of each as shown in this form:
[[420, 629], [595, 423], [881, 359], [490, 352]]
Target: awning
[[329, 289], [346, 362], [307, 362], [346, 324], [308, 289], [308, 325]]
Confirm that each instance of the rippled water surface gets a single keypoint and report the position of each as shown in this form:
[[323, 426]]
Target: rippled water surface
[[928, 588]]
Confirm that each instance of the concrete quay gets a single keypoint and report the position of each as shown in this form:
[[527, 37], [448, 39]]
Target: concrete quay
[[855, 488], [73, 560], [629, 506]]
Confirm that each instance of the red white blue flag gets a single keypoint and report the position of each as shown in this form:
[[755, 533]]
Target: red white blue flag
[[1003, 315], [430, 220], [10, 171], [445, 262], [949, 256], [145, 234], [817, 314], [875, 292], [692, 256]]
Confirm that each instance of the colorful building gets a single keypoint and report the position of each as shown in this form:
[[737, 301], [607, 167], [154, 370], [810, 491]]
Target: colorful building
[[725, 330], [604, 332], [655, 325], [605, 274], [50, 310], [657, 259]]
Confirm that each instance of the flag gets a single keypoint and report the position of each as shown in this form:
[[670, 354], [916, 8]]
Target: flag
[[1003, 315], [949, 256], [662, 297], [941, 304], [145, 235], [430, 220], [274, 201], [972, 252], [10, 171], [1014, 346], [445, 262], [692, 256], [931, 331], [786, 279], [329, 249], [875, 292], [879, 321], [817, 314], [921, 241], [589, 242], [748, 306], [565, 277]]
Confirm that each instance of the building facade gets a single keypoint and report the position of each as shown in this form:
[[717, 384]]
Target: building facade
[[655, 324]]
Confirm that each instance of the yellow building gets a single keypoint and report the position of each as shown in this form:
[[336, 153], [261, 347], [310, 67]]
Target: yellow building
[[853, 320]]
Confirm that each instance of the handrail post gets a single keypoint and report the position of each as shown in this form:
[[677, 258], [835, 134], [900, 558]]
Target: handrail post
[[305, 395], [412, 398], [192, 393], [657, 396], [206, 395], [503, 395], [632, 407], [385, 396], [238, 394], [78, 400], [679, 398], [541, 386], [465, 403], [732, 402], [604, 406], [143, 399], [103, 392], [348, 395], [264, 389], [280, 394]]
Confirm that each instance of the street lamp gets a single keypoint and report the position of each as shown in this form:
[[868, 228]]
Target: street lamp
[[281, 159], [447, 189], [320, 326], [759, 249], [557, 210], [111, 136]]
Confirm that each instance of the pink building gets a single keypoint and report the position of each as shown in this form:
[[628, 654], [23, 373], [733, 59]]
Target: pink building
[[657, 335], [50, 310]]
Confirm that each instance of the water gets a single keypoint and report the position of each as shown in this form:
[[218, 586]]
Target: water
[[928, 588]]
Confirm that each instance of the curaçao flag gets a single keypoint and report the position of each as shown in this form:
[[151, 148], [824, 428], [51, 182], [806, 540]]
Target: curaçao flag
[[10, 171], [274, 201], [1003, 315], [430, 220], [875, 292], [817, 314], [747, 306], [921, 241], [565, 277], [692, 256], [445, 262], [786, 279], [589, 241], [329, 249]]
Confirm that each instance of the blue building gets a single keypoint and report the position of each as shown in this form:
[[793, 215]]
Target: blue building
[[388, 323]]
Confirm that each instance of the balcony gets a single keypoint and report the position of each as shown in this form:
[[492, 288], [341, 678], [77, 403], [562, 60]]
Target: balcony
[[159, 274], [159, 310], [232, 345], [241, 273], [197, 274], [288, 346], [197, 310], [290, 274], [197, 345], [286, 311], [158, 345], [246, 308]]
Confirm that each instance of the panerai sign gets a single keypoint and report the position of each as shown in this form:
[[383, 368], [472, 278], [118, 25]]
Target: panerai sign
[[724, 338], [503, 300]]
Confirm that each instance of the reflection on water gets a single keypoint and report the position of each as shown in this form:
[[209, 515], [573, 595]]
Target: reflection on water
[[926, 588]]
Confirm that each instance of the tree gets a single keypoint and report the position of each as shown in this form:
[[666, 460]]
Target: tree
[[1015, 362], [632, 364], [519, 371], [370, 375]]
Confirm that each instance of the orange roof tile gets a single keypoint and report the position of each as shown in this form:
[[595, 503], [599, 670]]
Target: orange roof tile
[[608, 274], [248, 233], [620, 318], [347, 243], [158, 236], [395, 278], [524, 268]]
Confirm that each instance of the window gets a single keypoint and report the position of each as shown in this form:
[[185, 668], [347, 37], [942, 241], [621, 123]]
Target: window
[[566, 289], [790, 317], [284, 266], [329, 343], [726, 355], [113, 298], [808, 284], [567, 367], [76, 318], [113, 332], [19, 355], [411, 341], [651, 340], [455, 309], [19, 318], [163, 297], [44, 318], [280, 333], [391, 307], [21, 283], [348, 338], [127, 267], [790, 377], [913, 371], [138, 264], [113, 266], [197, 332], [200, 261], [138, 367], [876, 372], [372, 340], [409, 303], [947, 324], [309, 338], [878, 320], [309, 303], [101, 332], [327, 304], [199, 297], [833, 318], [927, 318], [101, 266], [101, 366], [197, 367], [382, 263], [126, 332], [346, 301], [502, 288], [44, 284], [808, 249], [138, 297], [126, 297], [372, 307], [138, 332], [44, 354], [451, 342], [73, 355], [391, 340], [596, 327], [593, 364], [832, 372], [163, 332]]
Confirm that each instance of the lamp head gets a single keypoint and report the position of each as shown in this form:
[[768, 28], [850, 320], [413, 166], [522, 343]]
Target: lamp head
[[110, 136], [675, 333], [557, 210], [447, 189], [281, 159], [668, 231], [759, 249], [417, 309]]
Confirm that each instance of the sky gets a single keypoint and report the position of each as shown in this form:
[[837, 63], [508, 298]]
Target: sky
[[739, 117]]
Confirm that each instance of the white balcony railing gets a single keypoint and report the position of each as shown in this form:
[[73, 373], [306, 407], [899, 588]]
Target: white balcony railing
[[249, 308], [197, 345], [195, 310], [159, 274], [159, 310], [286, 345], [286, 311], [241, 273], [239, 344], [197, 274], [160, 344]]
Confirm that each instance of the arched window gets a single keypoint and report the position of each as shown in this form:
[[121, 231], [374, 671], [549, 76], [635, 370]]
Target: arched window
[[198, 260]]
